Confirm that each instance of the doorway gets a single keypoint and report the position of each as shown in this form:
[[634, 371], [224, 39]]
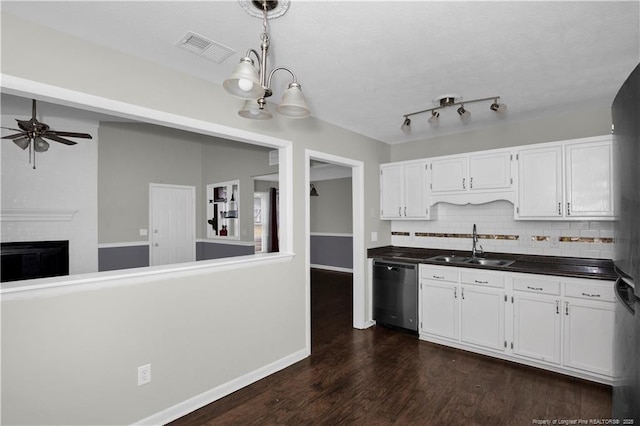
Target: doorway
[[172, 224], [360, 293]]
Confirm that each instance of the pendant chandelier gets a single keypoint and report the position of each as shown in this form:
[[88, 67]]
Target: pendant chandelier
[[252, 83]]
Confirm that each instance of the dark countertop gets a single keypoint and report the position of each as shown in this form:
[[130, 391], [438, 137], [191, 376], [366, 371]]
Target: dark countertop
[[600, 269]]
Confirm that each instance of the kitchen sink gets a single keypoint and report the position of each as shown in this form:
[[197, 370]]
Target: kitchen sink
[[450, 259], [471, 260], [489, 262]]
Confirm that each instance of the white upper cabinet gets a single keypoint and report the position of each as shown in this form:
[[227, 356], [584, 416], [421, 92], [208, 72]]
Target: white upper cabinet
[[403, 190], [472, 178], [449, 174], [589, 179], [566, 180], [539, 182]]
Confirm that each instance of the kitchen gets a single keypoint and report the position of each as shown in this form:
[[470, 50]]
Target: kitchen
[[591, 120]]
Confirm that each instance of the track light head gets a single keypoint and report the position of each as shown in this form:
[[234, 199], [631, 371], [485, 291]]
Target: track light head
[[406, 126], [434, 120], [500, 109], [465, 115]]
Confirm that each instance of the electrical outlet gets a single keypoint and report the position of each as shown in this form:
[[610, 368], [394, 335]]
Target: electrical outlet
[[554, 242], [144, 374]]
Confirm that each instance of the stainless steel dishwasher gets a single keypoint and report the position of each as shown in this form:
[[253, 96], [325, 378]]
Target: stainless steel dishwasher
[[395, 294]]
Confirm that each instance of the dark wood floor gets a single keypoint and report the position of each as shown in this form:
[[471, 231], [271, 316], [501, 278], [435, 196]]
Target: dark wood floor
[[378, 377]]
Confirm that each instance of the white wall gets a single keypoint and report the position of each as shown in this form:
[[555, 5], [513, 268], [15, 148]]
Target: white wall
[[65, 179]]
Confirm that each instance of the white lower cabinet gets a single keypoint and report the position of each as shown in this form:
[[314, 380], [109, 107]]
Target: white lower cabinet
[[588, 335], [561, 324], [537, 323], [482, 309], [440, 309]]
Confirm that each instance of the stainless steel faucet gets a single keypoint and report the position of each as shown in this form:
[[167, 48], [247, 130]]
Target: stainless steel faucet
[[475, 252]]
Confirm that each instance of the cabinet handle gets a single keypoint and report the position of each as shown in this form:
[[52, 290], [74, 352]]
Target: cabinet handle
[[557, 306], [566, 308], [590, 295], [568, 209], [437, 277], [471, 183], [455, 292], [535, 288], [463, 183], [400, 211], [462, 292], [481, 282], [559, 209], [405, 211]]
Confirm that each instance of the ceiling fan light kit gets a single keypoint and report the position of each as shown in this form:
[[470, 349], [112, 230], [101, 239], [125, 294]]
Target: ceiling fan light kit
[[445, 101], [33, 133], [253, 83]]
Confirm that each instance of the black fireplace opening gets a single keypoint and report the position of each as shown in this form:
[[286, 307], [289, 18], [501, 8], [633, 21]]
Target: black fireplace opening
[[34, 259]]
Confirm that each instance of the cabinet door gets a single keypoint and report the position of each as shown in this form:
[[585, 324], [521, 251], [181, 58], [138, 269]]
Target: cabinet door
[[391, 191], [588, 335], [540, 182], [482, 317], [589, 179], [439, 309], [415, 190], [490, 171], [449, 174], [536, 326]]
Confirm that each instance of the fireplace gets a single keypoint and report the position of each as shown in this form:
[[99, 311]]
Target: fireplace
[[34, 259]]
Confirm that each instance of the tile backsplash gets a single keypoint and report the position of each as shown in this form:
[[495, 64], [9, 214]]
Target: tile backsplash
[[499, 232]]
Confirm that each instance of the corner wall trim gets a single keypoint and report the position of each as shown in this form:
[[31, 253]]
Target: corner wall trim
[[199, 401]]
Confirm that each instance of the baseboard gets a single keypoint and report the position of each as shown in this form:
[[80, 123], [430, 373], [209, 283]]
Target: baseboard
[[199, 401], [331, 268]]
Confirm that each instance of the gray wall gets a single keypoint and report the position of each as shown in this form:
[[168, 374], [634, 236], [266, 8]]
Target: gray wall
[[132, 155], [332, 210], [52, 345]]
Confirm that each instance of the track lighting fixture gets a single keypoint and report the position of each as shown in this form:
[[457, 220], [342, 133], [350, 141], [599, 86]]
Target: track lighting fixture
[[451, 100], [254, 85]]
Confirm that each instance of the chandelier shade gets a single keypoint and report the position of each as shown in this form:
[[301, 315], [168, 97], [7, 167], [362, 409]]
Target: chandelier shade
[[244, 82], [252, 110], [293, 104]]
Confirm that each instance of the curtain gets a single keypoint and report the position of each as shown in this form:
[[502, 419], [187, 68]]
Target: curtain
[[274, 245]]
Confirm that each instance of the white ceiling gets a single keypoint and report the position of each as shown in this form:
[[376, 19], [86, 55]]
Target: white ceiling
[[364, 64]]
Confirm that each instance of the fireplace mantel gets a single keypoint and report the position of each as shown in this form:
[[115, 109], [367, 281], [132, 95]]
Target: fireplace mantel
[[37, 215]]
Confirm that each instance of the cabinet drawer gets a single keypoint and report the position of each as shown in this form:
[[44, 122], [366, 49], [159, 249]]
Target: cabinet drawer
[[536, 286], [592, 291], [428, 272], [482, 278]]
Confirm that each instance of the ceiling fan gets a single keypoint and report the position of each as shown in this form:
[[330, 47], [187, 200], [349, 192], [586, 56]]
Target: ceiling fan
[[34, 132]]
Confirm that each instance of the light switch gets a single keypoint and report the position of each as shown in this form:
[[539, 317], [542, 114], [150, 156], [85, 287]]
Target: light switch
[[374, 236], [143, 232]]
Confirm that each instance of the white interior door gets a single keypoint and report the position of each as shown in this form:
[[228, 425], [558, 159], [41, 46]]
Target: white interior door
[[172, 224]]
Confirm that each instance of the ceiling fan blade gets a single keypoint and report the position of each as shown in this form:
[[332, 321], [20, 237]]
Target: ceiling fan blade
[[17, 135], [69, 134], [11, 128], [22, 142], [56, 138]]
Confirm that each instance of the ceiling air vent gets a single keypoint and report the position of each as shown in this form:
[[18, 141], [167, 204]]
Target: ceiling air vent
[[202, 46]]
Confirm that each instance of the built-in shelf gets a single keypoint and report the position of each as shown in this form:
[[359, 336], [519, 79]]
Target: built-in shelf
[[223, 210]]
